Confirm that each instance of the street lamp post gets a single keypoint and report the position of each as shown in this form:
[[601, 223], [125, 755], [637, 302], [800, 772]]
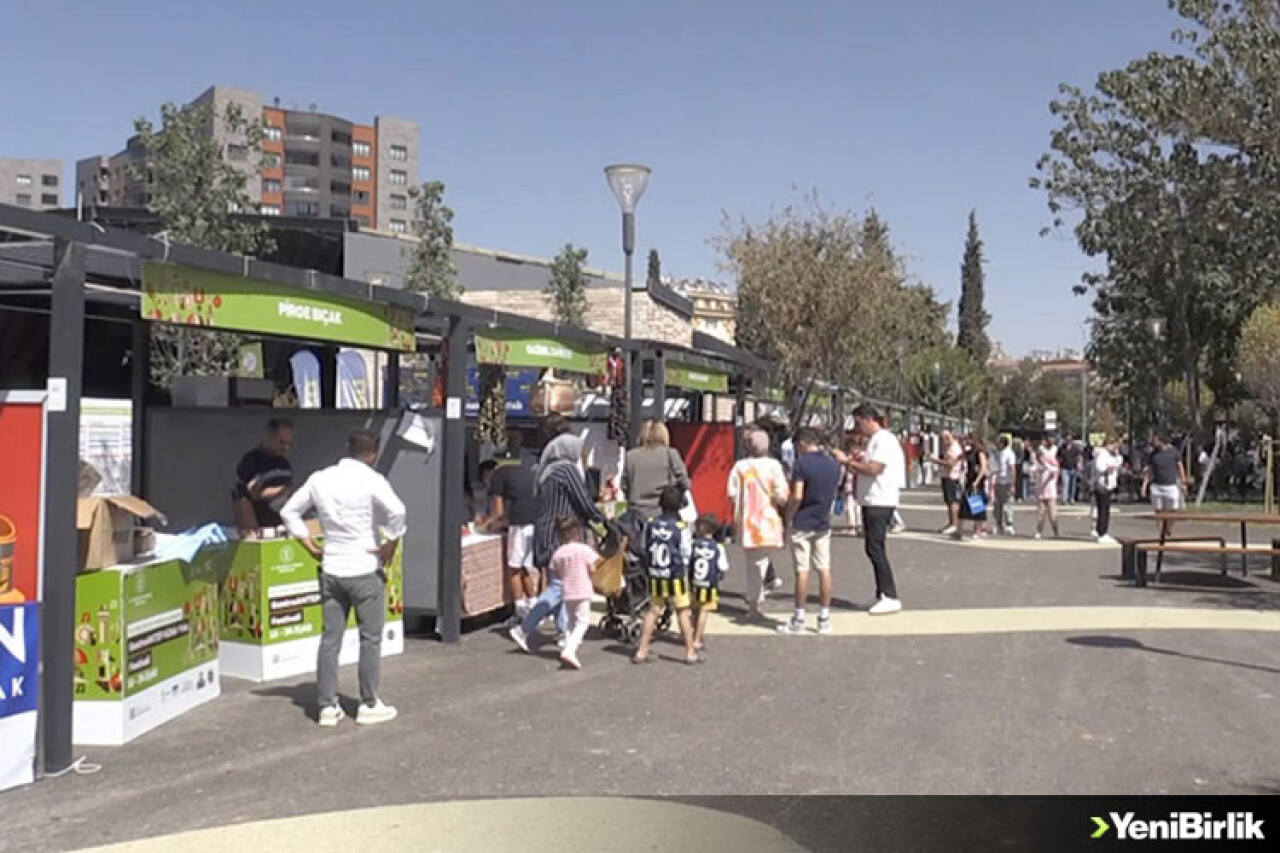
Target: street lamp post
[[628, 182], [1156, 325]]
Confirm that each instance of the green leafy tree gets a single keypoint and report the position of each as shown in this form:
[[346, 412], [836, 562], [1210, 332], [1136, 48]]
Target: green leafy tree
[[566, 290], [1170, 169], [946, 379], [808, 299], [1260, 356], [431, 268], [196, 192], [654, 275], [972, 337]]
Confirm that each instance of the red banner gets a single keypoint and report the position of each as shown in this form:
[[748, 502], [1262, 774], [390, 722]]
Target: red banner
[[707, 450], [21, 455]]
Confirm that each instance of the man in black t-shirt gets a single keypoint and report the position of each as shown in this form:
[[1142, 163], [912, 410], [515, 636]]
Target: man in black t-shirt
[[514, 503], [1069, 459], [264, 480]]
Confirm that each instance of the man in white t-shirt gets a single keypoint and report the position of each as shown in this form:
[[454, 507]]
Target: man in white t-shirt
[[1006, 473], [880, 480]]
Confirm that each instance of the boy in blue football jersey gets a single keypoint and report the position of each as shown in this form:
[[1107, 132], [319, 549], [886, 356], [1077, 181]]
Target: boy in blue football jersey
[[707, 563], [667, 546]]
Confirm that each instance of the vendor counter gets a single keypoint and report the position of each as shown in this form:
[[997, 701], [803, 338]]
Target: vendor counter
[[484, 587], [271, 617], [146, 647]]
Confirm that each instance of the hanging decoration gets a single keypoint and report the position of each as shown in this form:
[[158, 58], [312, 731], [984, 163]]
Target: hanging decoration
[[619, 411], [493, 404]]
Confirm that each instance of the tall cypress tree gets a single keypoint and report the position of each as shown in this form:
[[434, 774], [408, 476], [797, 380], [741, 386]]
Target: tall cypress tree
[[655, 269], [972, 336]]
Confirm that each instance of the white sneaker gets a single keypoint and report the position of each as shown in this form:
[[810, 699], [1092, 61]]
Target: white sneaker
[[331, 715], [561, 642], [1094, 534], [898, 528], [776, 583], [371, 715], [824, 625], [518, 637], [885, 606], [948, 530], [570, 660], [794, 627], [1107, 539], [1037, 536]]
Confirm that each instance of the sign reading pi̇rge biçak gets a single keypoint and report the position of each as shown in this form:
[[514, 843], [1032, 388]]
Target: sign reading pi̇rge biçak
[[172, 293], [697, 379]]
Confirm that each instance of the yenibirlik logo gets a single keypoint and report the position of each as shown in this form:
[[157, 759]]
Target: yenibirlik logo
[[1181, 826]]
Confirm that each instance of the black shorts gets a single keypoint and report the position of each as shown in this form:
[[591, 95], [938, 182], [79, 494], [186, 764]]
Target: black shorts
[[952, 493]]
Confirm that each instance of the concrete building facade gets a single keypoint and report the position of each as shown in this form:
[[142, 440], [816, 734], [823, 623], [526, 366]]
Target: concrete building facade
[[31, 182], [312, 164], [715, 307]]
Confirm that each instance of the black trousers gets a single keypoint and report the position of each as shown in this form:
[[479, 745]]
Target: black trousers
[[1102, 497], [875, 530]]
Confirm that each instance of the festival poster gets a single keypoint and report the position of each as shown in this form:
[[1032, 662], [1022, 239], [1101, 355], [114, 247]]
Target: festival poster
[[21, 452]]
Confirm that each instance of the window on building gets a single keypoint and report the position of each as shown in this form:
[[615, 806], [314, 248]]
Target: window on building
[[360, 149], [340, 188], [22, 180], [304, 208], [362, 221], [270, 186], [49, 180], [399, 152], [237, 153], [271, 161], [399, 178], [399, 202], [339, 212], [360, 197], [47, 199], [274, 133], [340, 161], [399, 226], [270, 210], [360, 173], [302, 158], [340, 137], [23, 199]]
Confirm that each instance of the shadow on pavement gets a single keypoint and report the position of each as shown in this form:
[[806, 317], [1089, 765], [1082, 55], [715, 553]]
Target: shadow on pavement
[[1103, 642]]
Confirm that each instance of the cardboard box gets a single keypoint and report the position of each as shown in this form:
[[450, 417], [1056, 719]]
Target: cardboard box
[[106, 527]]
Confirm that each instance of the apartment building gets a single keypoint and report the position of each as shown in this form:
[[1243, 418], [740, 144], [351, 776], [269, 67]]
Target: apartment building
[[313, 164], [715, 307], [31, 182]]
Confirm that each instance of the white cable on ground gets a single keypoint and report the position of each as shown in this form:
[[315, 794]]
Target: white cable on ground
[[82, 767]]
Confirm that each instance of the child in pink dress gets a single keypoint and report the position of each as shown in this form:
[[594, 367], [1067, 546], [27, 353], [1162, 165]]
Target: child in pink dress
[[573, 562]]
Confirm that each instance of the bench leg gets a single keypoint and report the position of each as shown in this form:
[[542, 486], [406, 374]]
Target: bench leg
[[1141, 563], [1128, 552], [1275, 558]]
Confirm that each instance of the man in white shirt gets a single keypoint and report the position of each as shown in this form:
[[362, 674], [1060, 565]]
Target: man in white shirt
[[363, 521], [1106, 471], [880, 480], [1006, 473]]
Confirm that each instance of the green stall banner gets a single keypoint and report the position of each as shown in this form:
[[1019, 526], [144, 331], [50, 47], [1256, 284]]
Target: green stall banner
[[186, 296], [516, 350], [771, 394], [697, 378]]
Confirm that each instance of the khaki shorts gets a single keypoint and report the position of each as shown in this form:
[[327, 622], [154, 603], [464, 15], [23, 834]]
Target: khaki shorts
[[811, 550]]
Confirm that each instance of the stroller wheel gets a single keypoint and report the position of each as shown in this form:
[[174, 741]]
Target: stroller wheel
[[630, 634], [664, 621]]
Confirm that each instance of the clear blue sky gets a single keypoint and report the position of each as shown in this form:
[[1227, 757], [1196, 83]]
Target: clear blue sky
[[924, 108]]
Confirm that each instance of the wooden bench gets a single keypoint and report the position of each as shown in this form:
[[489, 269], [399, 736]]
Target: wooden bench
[[1129, 556], [1203, 546]]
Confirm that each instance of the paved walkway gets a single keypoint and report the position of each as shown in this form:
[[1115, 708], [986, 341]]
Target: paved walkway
[[1026, 670]]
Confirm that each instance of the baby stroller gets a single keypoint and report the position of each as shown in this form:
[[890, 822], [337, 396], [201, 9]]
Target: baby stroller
[[625, 611]]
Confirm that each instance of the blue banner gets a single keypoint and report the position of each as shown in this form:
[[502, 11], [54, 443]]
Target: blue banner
[[19, 658], [520, 384]]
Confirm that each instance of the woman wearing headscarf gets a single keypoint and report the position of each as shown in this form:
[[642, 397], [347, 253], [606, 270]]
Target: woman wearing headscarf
[[561, 492], [758, 490]]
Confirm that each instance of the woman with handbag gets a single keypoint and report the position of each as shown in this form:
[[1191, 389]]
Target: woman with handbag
[[974, 506], [650, 467]]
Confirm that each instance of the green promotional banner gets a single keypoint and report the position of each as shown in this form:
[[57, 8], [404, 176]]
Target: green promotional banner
[[696, 378], [172, 293], [142, 625], [771, 394], [271, 593], [515, 350]]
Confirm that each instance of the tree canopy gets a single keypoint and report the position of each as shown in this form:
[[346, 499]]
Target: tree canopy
[[431, 267], [1170, 170], [566, 290], [973, 319]]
